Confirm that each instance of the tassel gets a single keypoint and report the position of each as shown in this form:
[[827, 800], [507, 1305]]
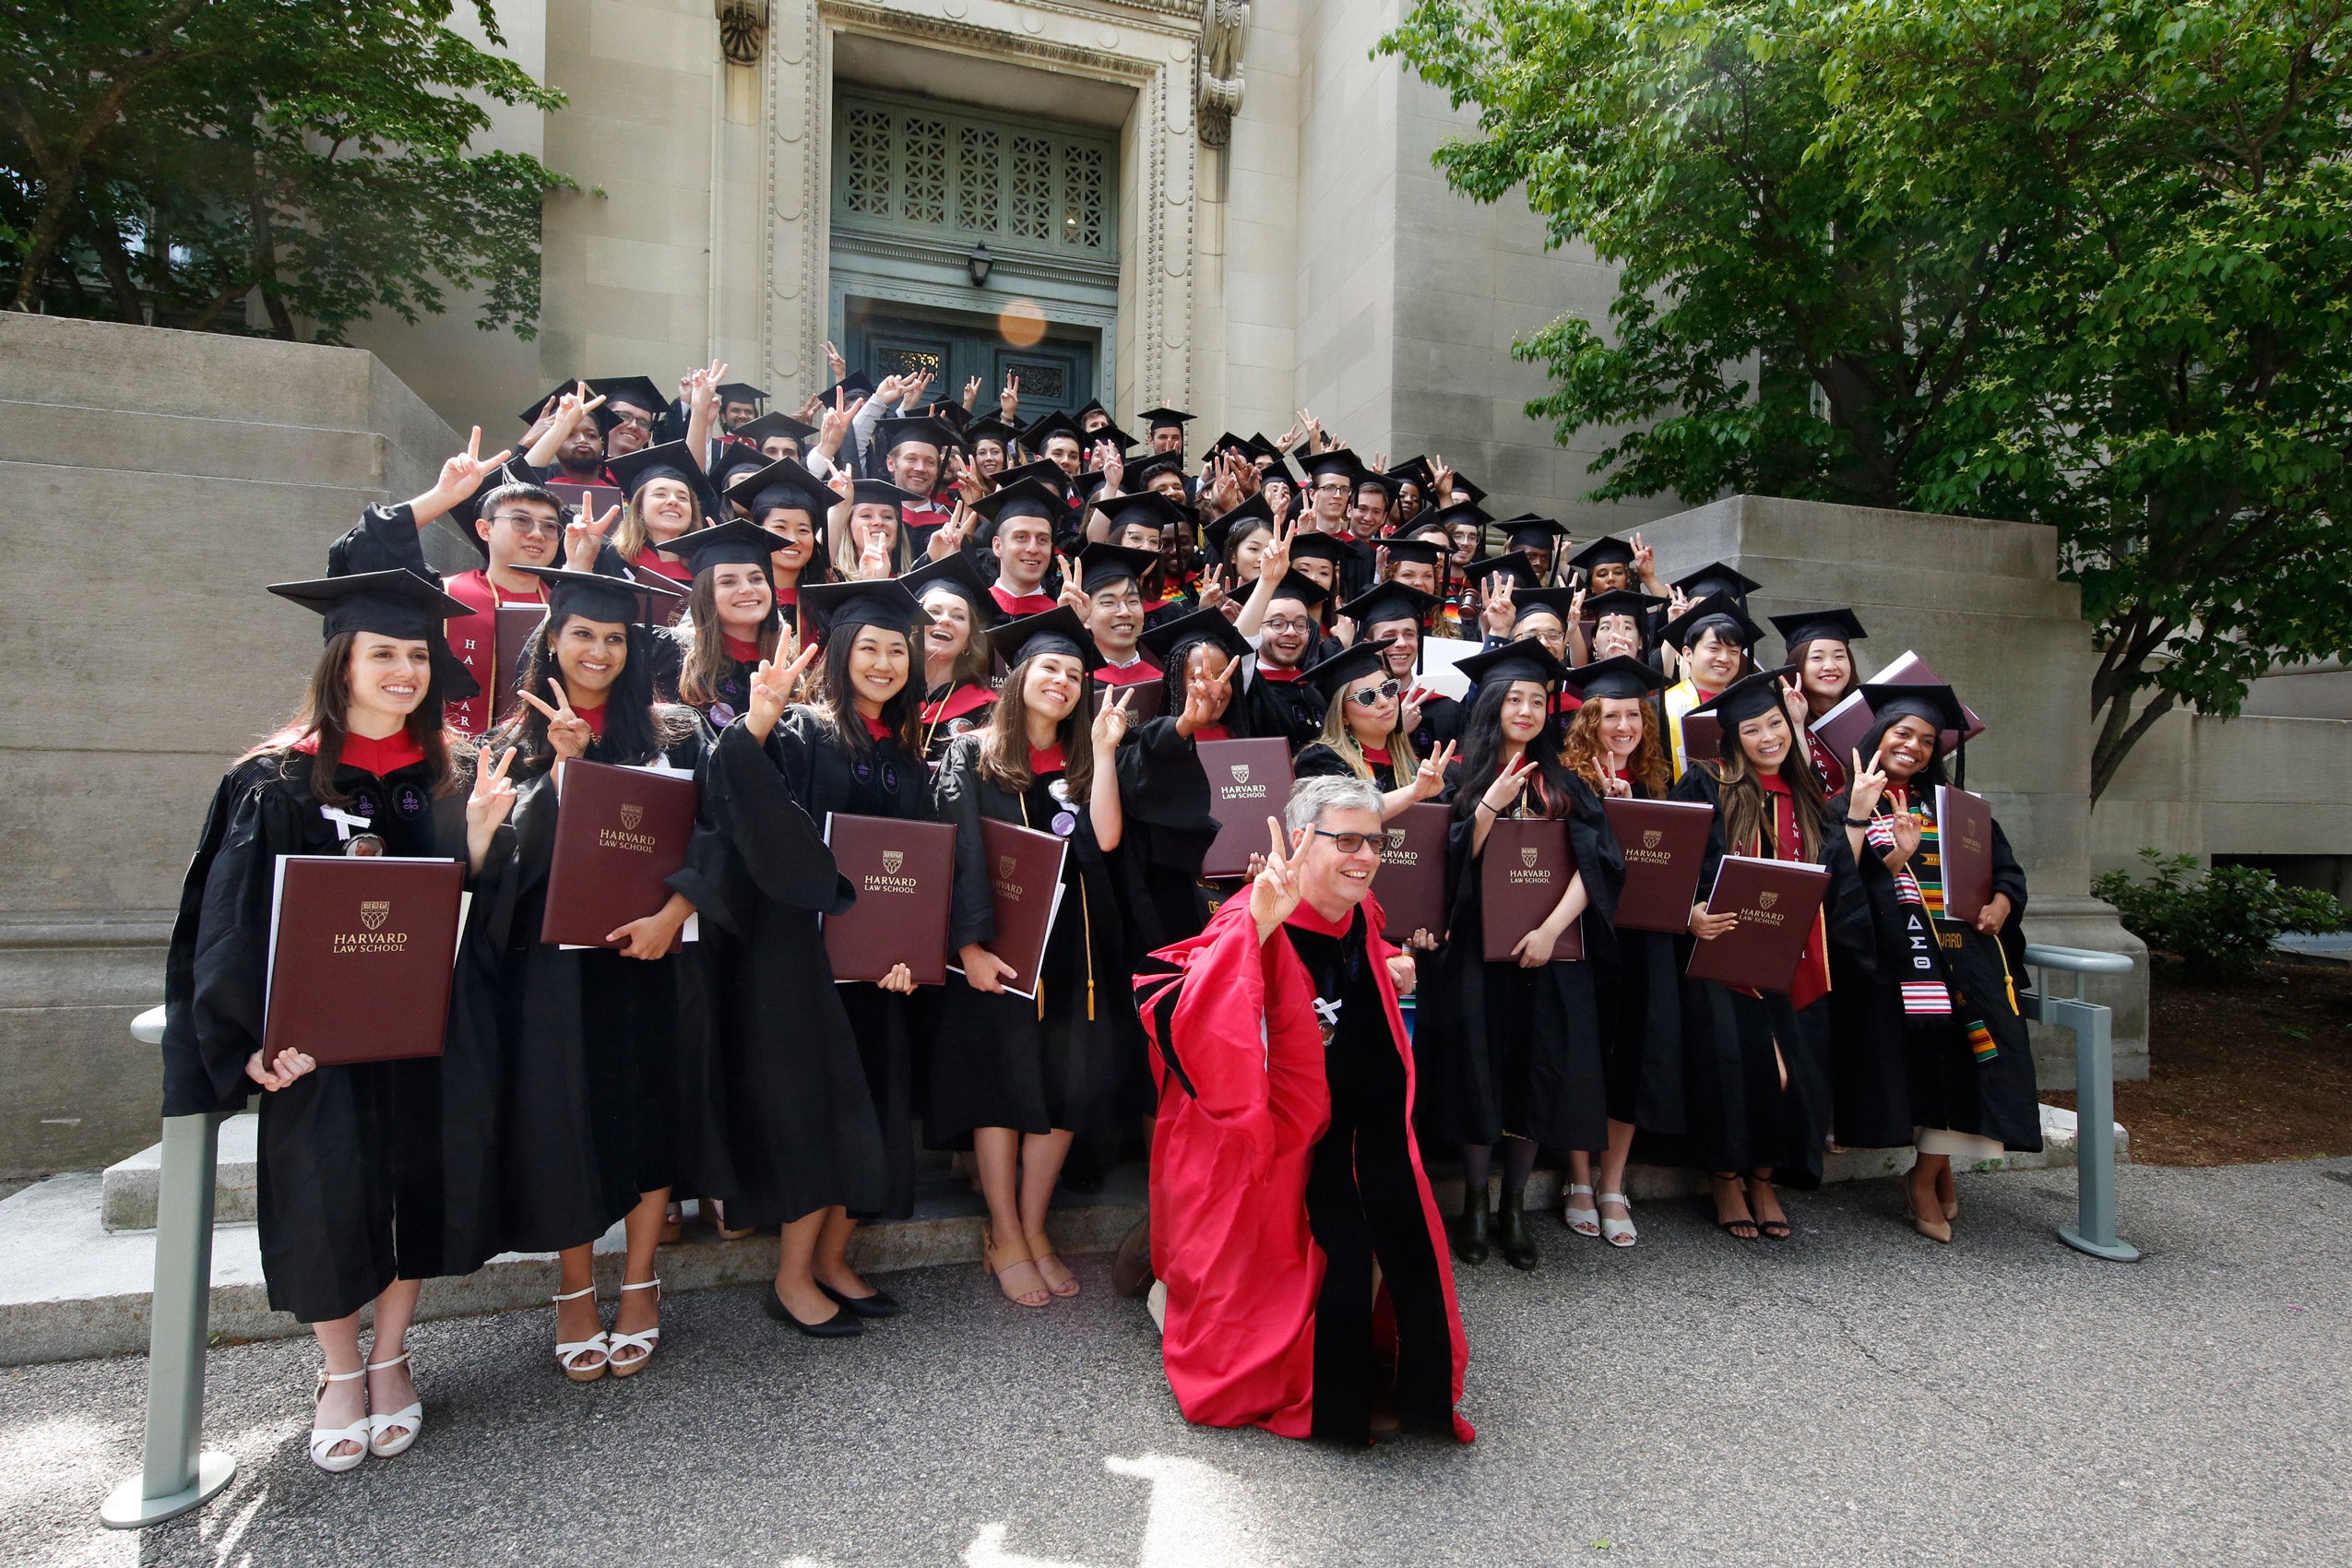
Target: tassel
[[1087, 910]]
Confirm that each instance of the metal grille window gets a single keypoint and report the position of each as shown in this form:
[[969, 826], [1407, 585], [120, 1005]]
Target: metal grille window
[[911, 169]]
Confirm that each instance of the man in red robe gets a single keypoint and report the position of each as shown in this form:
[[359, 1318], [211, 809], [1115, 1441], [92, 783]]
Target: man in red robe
[[1307, 1285]]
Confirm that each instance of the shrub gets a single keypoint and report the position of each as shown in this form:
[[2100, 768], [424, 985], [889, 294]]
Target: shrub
[[2218, 925]]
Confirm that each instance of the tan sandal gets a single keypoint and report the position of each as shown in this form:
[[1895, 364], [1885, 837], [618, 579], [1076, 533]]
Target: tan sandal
[[1043, 1255], [717, 1213], [1001, 1263]]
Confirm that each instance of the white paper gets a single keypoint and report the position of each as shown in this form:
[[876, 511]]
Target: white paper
[[1439, 657]]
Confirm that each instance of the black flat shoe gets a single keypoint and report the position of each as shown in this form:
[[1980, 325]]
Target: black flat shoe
[[1511, 1233], [1469, 1228], [882, 1304], [843, 1325]]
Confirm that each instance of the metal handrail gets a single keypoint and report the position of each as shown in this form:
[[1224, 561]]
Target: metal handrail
[[2080, 960], [2093, 1025]]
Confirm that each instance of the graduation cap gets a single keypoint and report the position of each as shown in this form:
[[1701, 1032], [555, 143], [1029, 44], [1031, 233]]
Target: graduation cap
[[638, 391], [1164, 419], [734, 462], [732, 544], [1253, 512], [1622, 602], [1514, 566], [1752, 697], [1172, 640], [615, 600], [1715, 577], [563, 389], [1022, 498], [1551, 601], [1101, 565], [1466, 491], [1045, 471], [1419, 551], [1459, 513], [1840, 626], [882, 492], [989, 427], [767, 427], [1280, 472], [1621, 676], [1087, 481], [1306, 590], [671, 460], [850, 387], [953, 416], [1349, 665], [1940, 706], [1527, 531], [1338, 462], [1527, 660], [1149, 507], [1120, 440], [1143, 472], [783, 482], [1414, 472], [1389, 602], [1328, 547], [1605, 551], [1047, 426], [837, 607], [1091, 406], [959, 576], [892, 434], [394, 603], [740, 392], [1057, 630], [1229, 442], [1718, 612]]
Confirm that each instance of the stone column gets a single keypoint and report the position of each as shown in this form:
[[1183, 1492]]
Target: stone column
[[1981, 602]]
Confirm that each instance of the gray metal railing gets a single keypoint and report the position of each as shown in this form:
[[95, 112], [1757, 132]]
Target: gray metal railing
[[2093, 1025]]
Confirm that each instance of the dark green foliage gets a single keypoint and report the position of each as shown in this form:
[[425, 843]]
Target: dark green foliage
[[2218, 925]]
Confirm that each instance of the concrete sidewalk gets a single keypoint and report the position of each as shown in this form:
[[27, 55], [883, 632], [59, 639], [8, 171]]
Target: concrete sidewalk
[[1857, 1396]]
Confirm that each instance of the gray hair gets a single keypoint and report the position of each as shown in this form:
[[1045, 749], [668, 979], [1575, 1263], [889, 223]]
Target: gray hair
[[1313, 799]]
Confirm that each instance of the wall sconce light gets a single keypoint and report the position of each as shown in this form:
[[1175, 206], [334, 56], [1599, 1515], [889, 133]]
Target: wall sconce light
[[978, 264]]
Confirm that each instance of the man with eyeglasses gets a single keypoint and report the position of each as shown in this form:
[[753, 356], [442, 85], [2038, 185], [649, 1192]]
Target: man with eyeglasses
[[632, 408], [1288, 1194], [1331, 488]]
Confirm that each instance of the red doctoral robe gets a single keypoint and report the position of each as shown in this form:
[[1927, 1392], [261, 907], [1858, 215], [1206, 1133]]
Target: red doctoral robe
[[1238, 1059]]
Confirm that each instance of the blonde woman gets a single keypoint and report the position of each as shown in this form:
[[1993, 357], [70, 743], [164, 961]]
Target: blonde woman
[[1363, 733]]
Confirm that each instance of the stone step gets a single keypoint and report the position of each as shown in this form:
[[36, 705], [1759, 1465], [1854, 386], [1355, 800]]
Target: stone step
[[127, 1187], [77, 1286]]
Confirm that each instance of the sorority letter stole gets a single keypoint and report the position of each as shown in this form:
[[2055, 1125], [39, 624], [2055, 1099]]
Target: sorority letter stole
[[902, 873], [1665, 845], [1776, 902], [1525, 874], [359, 953], [1412, 885], [1248, 781], [619, 834]]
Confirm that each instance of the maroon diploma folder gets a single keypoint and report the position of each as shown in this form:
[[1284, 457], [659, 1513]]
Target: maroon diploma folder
[[1248, 781], [1523, 877], [904, 873], [1963, 848], [1777, 901], [1702, 737], [670, 610], [1025, 873], [1843, 726], [1411, 882], [593, 500], [515, 625], [620, 833], [1665, 844], [359, 953], [1147, 700]]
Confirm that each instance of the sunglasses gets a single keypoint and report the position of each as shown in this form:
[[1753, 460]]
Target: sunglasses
[[1349, 843], [1373, 697]]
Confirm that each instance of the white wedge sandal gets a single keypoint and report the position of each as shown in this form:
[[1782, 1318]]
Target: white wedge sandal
[[642, 1343], [409, 1420], [325, 1440], [569, 1355]]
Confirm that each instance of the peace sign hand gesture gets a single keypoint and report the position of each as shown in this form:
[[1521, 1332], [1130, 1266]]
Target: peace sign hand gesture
[[462, 474], [583, 539], [1073, 593], [566, 731], [1508, 784], [1792, 697], [1869, 786], [1111, 725], [1495, 608], [1204, 700], [1276, 560], [1276, 890], [486, 807], [949, 536], [773, 684], [1429, 780]]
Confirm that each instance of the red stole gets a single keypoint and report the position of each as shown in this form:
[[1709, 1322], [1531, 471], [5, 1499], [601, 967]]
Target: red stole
[[1811, 982], [742, 652], [1021, 603], [965, 698], [652, 560], [594, 717], [1141, 672], [381, 757], [1826, 767], [1047, 759]]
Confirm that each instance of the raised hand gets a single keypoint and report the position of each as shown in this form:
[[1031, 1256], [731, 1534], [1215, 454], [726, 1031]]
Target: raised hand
[[1276, 890], [583, 539], [1204, 700], [1009, 400], [1444, 479], [1408, 709], [1508, 784], [835, 424], [277, 1074], [1908, 831], [874, 557], [773, 686], [839, 366], [949, 536], [566, 731], [971, 393], [462, 475], [1113, 466], [1494, 604], [1110, 723], [910, 395], [1276, 560], [1792, 697], [493, 796], [1645, 559], [1429, 780], [1615, 787]]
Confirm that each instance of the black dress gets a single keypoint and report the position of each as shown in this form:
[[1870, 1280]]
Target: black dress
[[1958, 1056], [1505, 1049], [1047, 1064], [351, 1159], [825, 777], [777, 1120], [1637, 980]]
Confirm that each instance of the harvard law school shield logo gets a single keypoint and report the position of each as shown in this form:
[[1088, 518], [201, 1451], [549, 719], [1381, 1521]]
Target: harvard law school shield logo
[[1396, 837], [1527, 856], [1650, 836], [1767, 900], [373, 913], [892, 860], [1241, 773], [1005, 866], [630, 816]]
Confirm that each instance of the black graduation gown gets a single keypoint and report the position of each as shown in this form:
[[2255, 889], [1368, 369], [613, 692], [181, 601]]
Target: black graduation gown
[[1894, 1073], [351, 1159], [1164, 800], [1738, 1114], [1034, 1065], [826, 779], [1441, 721], [587, 1044], [777, 1119], [670, 646], [1504, 1049], [1638, 983], [1291, 709]]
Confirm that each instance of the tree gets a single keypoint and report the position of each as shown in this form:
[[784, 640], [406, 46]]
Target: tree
[[193, 153], [2053, 260]]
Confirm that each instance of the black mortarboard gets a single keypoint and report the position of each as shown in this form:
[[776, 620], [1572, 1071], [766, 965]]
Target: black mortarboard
[[1339, 461], [1120, 440], [1465, 491], [732, 544], [1147, 507], [1528, 660], [1717, 610], [734, 462], [851, 387], [1044, 471], [1716, 577], [989, 427], [768, 427], [638, 391], [783, 482], [1388, 601], [956, 574], [1280, 470], [1046, 426], [1621, 676], [1461, 512], [1607, 551], [1229, 442], [1253, 510], [1201, 625], [394, 603], [1624, 601], [1164, 419], [1143, 470], [1328, 547], [1023, 498], [882, 492], [953, 416], [671, 460], [563, 389], [1099, 565], [1551, 601], [1522, 574], [1527, 531], [615, 600], [1420, 551], [1346, 667], [1367, 480], [1057, 630], [740, 392], [1839, 625], [1414, 472], [1091, 406], [1306, 590], [1940, 706], [878, 602], [1751, 696], [892, 434], [1087, 481]]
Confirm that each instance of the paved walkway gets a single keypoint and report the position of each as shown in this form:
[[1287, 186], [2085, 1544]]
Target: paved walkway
[[1857, 1396]]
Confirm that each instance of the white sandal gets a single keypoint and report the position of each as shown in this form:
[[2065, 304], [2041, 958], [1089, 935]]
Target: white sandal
[[643, 1342], [325, 1440], [1619, 1232], [568, 1355], [410, 1418], [1584, 1221]]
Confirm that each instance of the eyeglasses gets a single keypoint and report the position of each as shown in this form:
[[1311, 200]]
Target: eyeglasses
[[640, 421], [527, 524], [1337, 487], [1349, 843], [1279, 627], [1373, 697]]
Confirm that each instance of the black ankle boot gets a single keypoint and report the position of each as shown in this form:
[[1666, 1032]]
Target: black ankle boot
[[1511, 1232], [1470, 1231]]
